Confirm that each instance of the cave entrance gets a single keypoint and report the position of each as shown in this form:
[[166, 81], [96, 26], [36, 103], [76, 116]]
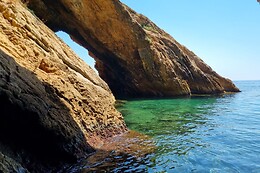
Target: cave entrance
[[79, 50]]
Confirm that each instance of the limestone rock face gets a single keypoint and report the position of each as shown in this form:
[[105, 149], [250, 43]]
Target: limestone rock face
[[54, 108], [133, 55]]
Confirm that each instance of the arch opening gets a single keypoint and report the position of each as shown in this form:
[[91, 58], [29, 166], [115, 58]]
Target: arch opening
[[78, 49]]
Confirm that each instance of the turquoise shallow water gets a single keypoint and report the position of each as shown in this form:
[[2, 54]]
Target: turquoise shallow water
[[197, 134]]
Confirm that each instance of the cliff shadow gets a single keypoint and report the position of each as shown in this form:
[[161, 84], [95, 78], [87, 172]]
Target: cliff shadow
[[36, 127]]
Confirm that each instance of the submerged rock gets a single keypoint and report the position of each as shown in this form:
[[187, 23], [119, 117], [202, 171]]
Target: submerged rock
[[133, 55], [131, 142], [127, 149]]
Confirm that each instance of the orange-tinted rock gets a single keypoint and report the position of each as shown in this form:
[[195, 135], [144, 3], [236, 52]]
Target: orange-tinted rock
[[129, 147], [133, 55], [131, 142]]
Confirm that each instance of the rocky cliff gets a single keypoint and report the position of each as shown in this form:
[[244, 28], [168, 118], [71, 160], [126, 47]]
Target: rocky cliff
[[133, 55], [54, 108]]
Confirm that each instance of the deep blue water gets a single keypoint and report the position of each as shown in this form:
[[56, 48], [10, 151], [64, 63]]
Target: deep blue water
[[197, 134]]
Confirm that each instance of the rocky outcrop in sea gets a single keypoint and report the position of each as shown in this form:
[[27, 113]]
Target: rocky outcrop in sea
[[55, 109], [134, 56]]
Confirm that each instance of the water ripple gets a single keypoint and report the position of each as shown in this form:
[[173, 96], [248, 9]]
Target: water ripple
[[200, 134]]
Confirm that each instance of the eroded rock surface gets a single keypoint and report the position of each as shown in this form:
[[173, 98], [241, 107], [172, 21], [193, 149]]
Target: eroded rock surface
[[54, 108], [133, 55]]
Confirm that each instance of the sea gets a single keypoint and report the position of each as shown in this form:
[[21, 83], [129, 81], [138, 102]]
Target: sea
[[211, 134]]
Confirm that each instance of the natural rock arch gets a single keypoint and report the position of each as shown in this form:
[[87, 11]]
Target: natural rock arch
[[133, 55], [54, 105]]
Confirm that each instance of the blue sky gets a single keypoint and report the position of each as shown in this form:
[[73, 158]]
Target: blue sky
[[224, 33]]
